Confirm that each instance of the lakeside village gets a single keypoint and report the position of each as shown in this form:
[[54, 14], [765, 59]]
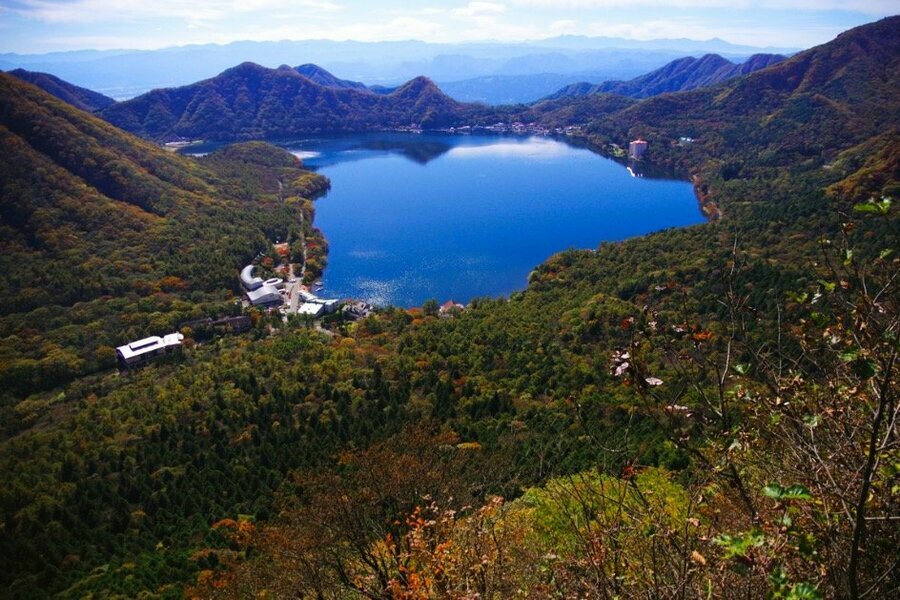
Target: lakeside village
[[274, 294], [636, 148], [516, 127]]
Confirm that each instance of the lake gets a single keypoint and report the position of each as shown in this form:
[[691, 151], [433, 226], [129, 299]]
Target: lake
[[451, 217]]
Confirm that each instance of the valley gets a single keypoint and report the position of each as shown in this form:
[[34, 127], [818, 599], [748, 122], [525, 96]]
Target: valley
[[631, 400]]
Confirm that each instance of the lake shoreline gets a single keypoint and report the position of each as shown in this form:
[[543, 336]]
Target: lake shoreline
[[412, 217]]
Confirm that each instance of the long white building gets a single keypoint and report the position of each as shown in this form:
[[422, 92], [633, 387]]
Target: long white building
[[143, 350]]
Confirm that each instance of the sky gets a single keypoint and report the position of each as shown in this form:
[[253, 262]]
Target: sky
[[38, 26]]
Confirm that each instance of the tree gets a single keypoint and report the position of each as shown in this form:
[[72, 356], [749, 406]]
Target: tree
[[431, 307]]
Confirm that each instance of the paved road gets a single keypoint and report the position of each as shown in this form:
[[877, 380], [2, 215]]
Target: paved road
[[294, 291]]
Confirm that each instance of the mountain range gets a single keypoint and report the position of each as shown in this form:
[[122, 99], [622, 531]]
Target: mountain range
[[79, 97], [123, 74], [686, 73], [252, 102]]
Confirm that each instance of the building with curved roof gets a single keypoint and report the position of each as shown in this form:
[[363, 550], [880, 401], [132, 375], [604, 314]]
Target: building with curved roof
[[248, 280], [265, 295]]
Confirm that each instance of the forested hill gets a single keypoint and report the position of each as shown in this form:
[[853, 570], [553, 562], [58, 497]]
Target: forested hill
[[95, 220], [78, 97], [800, 113], [253, 102], [679, 75]]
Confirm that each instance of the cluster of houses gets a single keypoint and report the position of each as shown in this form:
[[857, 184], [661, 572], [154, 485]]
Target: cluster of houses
[[516, 127], [272, 293]]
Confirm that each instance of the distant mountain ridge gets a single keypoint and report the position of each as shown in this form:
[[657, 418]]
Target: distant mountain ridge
[[680, 75], [124, 74], [78, 97], [252, 102]]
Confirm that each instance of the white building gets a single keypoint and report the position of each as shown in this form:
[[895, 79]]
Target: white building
[[248, 280], [259, 292], [318, 307], [311, 309], [307, 296], [265, 295], [147, 348], [637, 148]]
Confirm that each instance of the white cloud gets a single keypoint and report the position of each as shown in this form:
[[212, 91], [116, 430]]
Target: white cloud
[[563, 26], [396, 29], [477, 9], [870, 7], [654, 29], [143, 23], [81, 11]]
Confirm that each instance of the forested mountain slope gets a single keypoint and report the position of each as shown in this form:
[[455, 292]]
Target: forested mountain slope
[[253, 102], [95, 220], [683, 74], [800, 113], [79, 97]]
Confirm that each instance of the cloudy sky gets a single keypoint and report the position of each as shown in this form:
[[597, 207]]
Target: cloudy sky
[[36, 26]]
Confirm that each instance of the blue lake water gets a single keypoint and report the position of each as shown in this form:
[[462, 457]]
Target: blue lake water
[[411, 217]]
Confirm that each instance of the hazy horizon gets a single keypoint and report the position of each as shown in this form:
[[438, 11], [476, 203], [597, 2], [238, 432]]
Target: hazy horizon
[[472, 43], [45, 26]]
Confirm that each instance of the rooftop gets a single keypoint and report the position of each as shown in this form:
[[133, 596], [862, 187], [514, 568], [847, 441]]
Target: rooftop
[[265, 294], [248, 280], [150, 344]]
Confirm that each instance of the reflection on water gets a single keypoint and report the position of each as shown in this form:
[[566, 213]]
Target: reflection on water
[[338, 148], [416, 216], [478, 217], [536, 148]]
